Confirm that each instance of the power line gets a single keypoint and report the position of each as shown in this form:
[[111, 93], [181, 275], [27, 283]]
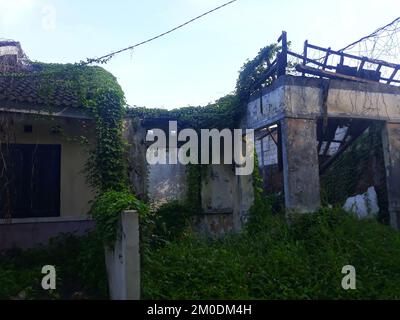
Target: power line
[[382, 44], [373, 34], [107, 57]]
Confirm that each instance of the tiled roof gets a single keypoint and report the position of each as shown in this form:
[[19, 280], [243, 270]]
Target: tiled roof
[[32, 89]]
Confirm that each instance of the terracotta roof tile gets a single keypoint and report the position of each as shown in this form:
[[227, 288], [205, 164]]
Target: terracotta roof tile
[[31, 88]]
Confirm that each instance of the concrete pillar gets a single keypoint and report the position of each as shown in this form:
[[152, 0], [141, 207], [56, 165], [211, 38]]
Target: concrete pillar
[[300, 165], [123, 262], [243, 199], [391, 151]]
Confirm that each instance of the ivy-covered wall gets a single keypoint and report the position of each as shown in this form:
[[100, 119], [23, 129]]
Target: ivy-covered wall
[[215, 197]]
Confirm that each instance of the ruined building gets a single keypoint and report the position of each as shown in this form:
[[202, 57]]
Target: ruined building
[[311, 116]]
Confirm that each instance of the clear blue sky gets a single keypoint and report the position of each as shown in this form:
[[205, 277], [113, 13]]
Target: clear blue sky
[[194, 65]]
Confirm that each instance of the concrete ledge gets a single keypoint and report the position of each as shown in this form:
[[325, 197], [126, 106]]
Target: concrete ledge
[[315, 82], [26, 235], [45, 220]]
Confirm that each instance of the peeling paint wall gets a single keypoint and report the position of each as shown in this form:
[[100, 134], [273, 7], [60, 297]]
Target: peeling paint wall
[[226, 200], [166, 182], [217, 189]]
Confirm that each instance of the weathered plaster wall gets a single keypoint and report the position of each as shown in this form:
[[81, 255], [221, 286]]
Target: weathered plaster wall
[[166, 182], [217, 189], [135, 135], [359, 100], [226, 198], [297, 102], [29, 233], [159, 183], [226, 201], [243, 199], [304, 97]]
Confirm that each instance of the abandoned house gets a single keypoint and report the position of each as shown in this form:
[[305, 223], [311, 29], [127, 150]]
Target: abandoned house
[[317, 126], [329, 126], [42, 189]]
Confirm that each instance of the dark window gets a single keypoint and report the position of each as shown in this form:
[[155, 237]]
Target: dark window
[[29, 180]]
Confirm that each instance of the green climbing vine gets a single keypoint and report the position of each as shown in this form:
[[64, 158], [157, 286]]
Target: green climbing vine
[[226, 112], [194, 179], [97, 93], [105, 211]]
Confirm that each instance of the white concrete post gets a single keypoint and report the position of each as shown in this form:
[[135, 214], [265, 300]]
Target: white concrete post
[[123, 262]]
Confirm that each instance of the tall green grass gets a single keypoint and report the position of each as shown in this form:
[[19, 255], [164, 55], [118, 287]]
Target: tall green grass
[[271, 260]]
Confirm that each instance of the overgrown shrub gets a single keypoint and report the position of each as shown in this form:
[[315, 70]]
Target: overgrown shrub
[[79, 263], [277, 261], [106, 209], [172, 221]]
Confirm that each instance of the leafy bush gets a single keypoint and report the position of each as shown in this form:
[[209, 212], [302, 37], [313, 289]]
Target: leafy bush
[[106, 209], [79, 263], [171, 221], [271, 260]]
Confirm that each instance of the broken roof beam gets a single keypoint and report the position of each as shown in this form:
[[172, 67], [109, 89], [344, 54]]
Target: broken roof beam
[[351, 56], [332, 75]]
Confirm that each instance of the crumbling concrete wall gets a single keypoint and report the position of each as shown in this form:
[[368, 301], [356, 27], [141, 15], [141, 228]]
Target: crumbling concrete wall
[[217, 189], [158, 183], [297, 102], [217, 201], [135, 135], [166, 182], [301, 97], [226, 201], [226, 198]]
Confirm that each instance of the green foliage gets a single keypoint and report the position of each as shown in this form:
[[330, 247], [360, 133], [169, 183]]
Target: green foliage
[[262, 205], [224, 113], [359, 167], [227, 111], [193, 195], [79, 264], [172, 221], [277, 261], [251, 74], [97, 92], [106, 209]]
